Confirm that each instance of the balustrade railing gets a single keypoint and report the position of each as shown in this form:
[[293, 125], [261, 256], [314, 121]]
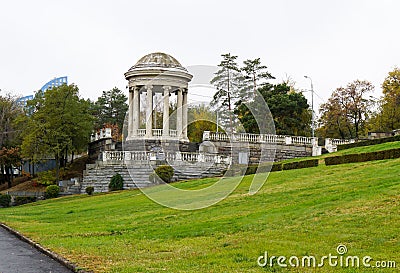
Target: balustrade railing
[[119, 156], [258, 138], [157, 132]]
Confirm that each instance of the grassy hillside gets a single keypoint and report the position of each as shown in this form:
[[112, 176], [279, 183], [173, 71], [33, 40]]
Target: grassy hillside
[[356, 150], [298, 212]]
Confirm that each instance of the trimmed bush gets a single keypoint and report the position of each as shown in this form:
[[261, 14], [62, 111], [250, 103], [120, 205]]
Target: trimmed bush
[[251, 169], [116, 183], [264, 167], [52, 191], [363, 157], [89, 190], [368, 142], [5, 200], [300, 164], [276, 167], [21, 200], [165, 173], [334, 160]]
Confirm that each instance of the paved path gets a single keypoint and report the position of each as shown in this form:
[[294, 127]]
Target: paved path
[[17, 256]]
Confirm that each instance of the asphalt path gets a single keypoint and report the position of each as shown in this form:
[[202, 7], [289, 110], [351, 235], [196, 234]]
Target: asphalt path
[[17, 256]]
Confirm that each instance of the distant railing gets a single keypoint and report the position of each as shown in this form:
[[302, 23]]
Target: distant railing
[[332, 143], [156, 133], [118, 156], [141, 132], [101, 134], [26, 194]]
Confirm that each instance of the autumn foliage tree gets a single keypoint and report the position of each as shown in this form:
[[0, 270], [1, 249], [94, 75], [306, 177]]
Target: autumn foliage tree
[[346, 112], [9, 158], [387, 117]]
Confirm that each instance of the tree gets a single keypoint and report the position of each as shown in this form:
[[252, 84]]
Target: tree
[[228, 81], [254, 72], [10, 112], [110, 108], [60, 124], [290, 111], [201, 119], [347, 110], [388, 116], [9, 158]]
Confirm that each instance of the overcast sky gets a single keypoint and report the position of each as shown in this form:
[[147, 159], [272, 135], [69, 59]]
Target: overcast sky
[[95, 42]]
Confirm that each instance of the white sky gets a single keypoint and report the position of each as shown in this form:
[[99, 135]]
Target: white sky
[[95, 42]]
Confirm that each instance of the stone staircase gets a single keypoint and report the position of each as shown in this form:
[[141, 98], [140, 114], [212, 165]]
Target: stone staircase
[[136, 175]]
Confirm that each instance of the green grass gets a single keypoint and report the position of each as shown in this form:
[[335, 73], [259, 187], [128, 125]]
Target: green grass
[[356, 150], [297, 212]]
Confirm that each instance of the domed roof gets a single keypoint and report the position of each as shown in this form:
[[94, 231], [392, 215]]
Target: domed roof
[[157, 60]]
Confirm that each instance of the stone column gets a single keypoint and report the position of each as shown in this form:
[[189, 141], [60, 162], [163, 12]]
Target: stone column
[[135, 111], [166, 111], [185, 114], [149, 111], [179, 114], [130, 115]]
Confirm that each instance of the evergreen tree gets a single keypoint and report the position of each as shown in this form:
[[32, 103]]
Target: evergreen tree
[[228, 81], [254, 74], [110, 108]]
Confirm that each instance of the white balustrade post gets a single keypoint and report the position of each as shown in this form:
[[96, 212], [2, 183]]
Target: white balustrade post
[[288, 140]]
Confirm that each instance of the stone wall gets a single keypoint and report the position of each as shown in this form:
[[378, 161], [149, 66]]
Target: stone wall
[[257, 152], [99, 174]]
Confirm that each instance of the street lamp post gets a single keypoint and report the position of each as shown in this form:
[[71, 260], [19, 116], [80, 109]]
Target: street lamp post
[[312, 105]]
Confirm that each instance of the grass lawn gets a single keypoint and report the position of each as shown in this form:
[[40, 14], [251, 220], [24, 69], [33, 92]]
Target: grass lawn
[[356, 150], [296, 213]]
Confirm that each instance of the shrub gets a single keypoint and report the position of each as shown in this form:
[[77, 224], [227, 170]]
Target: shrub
[[89, 190], [333, 160], [163, 172], [300, 164], [276, 167], [368, 142], [46, 178], [5, 200], [52, 191], [116, 183], [362, 157], [20, 200]]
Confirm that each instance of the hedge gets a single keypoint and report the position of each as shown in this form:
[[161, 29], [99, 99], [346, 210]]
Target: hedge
[[5, 200], [368, 142], [278, 166], [300, 164], [363, 157]]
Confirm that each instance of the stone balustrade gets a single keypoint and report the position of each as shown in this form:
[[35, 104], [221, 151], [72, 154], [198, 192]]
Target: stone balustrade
[[102, 134], [259, 138], [118, 156]]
